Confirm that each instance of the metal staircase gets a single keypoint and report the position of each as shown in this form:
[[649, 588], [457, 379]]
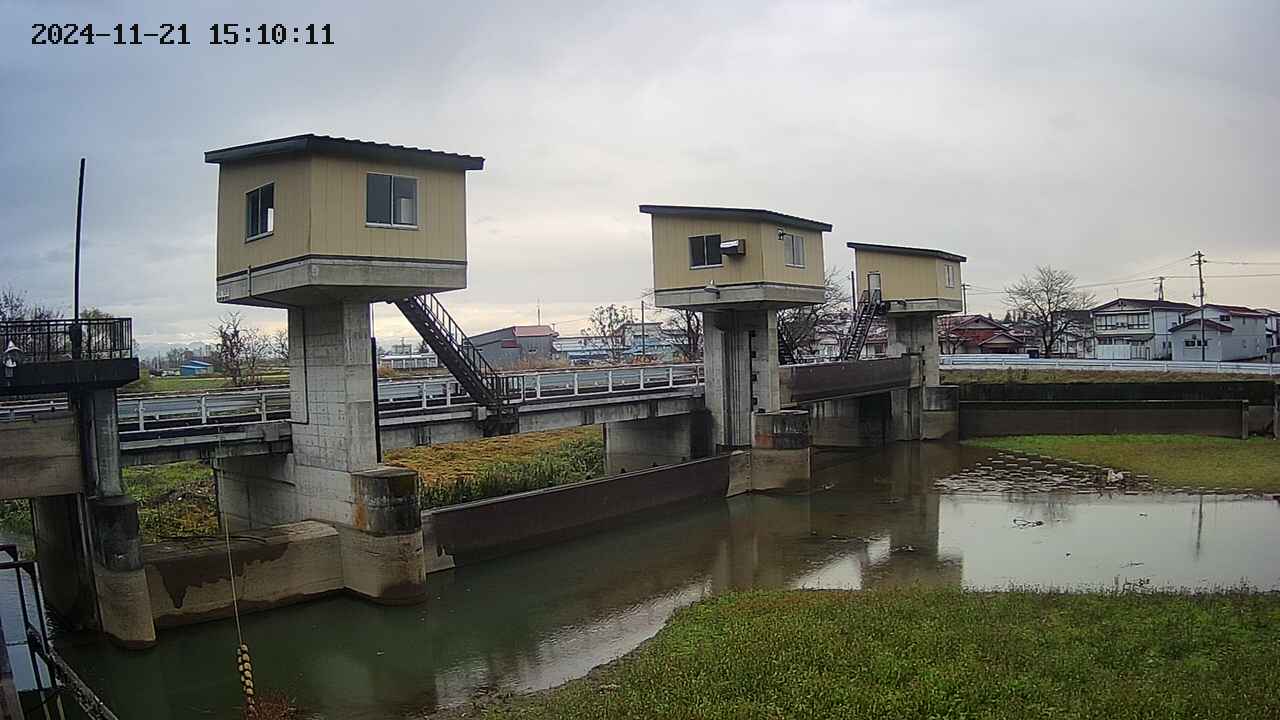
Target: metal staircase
[[482, 383], [868, 311]]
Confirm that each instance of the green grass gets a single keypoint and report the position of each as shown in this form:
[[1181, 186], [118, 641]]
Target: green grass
[[917, 653], [965, 377], [175, 500], [1189, 461], [147, 384]]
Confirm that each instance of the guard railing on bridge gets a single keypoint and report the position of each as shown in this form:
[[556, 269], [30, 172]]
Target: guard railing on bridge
[[150, 412], [1001, 361]]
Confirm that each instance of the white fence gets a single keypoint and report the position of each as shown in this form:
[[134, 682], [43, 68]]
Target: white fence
[[982, 362]]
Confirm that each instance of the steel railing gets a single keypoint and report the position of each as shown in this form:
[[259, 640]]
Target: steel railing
[[999, 361], [150, 412], [60, 340]]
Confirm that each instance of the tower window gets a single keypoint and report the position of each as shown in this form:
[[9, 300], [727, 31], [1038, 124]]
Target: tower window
[[260, 212]]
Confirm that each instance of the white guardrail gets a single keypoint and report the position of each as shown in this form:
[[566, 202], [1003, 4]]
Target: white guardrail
[[139, 412], [982, 362]]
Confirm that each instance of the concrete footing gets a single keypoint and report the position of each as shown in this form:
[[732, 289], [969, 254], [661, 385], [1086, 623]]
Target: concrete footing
[[124, 605], [780, 451], [652, 442]]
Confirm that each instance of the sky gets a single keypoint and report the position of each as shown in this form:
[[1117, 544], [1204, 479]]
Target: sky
[[1109, 139]]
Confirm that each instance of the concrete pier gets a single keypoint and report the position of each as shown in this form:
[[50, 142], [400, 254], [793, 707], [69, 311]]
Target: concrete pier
[[334, 473], [741, 359], [780, 451]]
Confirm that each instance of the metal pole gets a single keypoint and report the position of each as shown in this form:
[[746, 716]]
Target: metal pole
[[373, 360], [1200, 270], [644, 352], [76, 338]]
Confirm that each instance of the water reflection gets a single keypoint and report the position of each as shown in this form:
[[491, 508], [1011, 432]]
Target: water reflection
[[540, 618]]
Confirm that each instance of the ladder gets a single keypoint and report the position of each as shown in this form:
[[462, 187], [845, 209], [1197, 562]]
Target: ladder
[[868, 311], [482, 383]]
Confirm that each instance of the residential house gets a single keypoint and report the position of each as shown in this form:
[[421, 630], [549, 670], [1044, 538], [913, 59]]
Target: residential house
[[1273, 330], [976, 335], [581, 349], [517, 345], [1227, 333], [1136, 329], [877, 344]]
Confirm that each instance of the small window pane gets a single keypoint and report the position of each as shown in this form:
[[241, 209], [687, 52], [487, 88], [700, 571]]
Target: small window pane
[[405, 193], [713, 250], [251, 213], [377, 206], [267, 212], [259, 211], [697, 251]]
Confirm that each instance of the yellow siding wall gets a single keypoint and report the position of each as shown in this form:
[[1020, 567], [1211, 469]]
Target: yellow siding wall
[[292, 178], [320, 209], [907, 277], [775, 259], [338, 212], [763, 262]]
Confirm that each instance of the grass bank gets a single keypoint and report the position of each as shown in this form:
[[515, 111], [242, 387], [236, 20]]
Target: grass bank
[[1171, 460], [916, 653], [175, 500], [451, 473], [965, 377]]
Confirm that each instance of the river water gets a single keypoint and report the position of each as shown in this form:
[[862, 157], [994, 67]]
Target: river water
[[909, 513]]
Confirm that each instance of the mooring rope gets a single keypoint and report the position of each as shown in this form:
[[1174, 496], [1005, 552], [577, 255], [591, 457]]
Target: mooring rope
[[244, 666]]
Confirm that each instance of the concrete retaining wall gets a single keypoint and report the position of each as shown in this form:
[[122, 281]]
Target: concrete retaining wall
[[484, 529], [188, 581], [1261, 395], [1225, 418], [41, 457]]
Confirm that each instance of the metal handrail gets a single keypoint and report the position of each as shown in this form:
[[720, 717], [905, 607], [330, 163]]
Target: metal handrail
[[999, 361], [62, 340]]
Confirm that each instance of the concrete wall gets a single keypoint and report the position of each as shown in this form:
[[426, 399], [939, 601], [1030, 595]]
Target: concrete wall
[[489, 528], [188, 580], [820, 383], [741, 359], [640, 444], [852, 422], [1225, 418], [41, 457]]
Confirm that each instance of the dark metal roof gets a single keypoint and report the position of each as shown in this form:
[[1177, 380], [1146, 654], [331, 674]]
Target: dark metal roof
[[900, 250], [1146, 304], [1211, 324], [325, 144], [724, 213]]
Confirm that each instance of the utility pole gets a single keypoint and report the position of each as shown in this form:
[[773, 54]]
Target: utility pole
[[77, 339], [1200, 271], [539, 304], [964, 298], [1160, 288]]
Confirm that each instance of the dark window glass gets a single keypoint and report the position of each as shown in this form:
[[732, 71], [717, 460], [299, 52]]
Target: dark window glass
[[377, 205], [713, 250], [405, 199], [697, 251], [259, 207]]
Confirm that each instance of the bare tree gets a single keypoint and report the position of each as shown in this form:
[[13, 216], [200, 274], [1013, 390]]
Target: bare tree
[[607, 323], [804, 326], [14, 306], [279, 345], [1049, 300], [241, 351], [684, 328]]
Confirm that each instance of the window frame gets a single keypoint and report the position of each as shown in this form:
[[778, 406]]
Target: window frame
[[704, 238], [393, 225], [272, 217], [950, 273], [791, 242]]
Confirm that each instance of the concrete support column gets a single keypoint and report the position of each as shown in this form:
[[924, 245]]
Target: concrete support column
[[382, 556], [66, 580], [852, 422], [640, 444], [741, 362], [916, 334], [100, 441], [124, 605], [331, 387], [941, 413], [780, 451]]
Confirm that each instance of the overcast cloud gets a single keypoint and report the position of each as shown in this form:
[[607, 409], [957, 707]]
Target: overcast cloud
[[1105, 138]]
